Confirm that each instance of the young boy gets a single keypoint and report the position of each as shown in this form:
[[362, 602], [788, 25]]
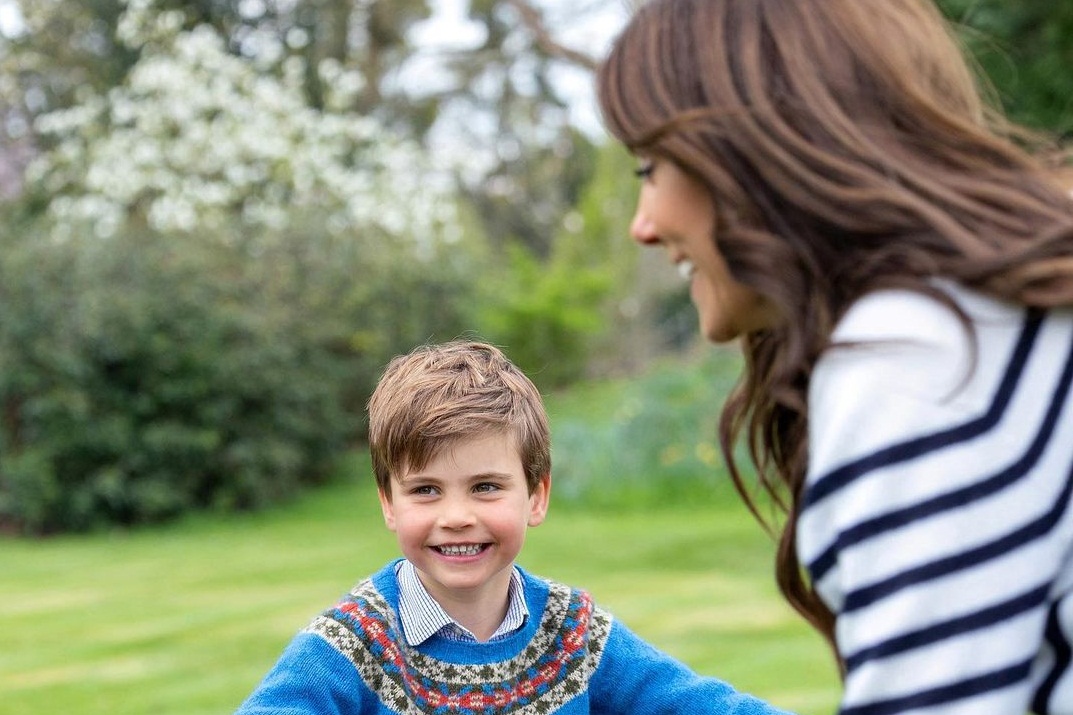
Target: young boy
[[461, 452]]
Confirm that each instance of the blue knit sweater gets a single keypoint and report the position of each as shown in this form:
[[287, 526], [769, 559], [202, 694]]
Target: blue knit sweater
[[573, 658]]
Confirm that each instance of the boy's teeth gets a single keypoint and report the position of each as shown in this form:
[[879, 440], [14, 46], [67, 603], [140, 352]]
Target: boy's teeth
[[685, 269], [468, 550]]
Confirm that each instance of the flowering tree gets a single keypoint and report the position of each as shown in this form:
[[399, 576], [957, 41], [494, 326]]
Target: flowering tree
[[231, 264], [195, 137]]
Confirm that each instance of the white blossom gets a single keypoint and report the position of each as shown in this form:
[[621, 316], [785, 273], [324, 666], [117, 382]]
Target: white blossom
[[196, 136]]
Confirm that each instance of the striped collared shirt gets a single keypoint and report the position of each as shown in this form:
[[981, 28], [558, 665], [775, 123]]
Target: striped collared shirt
[[422, 617]]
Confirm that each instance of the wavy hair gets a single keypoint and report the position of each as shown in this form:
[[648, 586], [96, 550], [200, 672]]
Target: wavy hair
[[846, 148]]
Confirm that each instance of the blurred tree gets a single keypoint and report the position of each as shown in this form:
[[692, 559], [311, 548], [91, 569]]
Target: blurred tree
[[195, 136], [61, 53], [65, 46], [525, 165], [217, 241], [495, 108], [68, 54], [63, 50]]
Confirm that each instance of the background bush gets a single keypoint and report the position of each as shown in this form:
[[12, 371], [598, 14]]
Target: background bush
[[630, 444], [546, 314], [1023, 50], [141, 377]]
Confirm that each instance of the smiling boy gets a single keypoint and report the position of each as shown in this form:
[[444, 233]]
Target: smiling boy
[[461, 452], [461, 521]]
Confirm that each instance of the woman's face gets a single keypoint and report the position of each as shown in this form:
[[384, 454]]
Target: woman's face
[[675, 211]]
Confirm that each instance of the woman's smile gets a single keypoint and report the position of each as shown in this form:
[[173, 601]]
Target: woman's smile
[[675, 210]]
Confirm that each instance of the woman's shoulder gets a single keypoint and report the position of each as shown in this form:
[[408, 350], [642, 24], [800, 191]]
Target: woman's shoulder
[[904, 335], [891, 314], [908, 353], [936, 338]]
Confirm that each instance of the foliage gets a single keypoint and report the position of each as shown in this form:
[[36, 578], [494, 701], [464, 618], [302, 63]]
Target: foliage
[[491, 104], [68, 47], [602, 211], [217, 271], [507, 113], [1025, 48], [557, 314], [523, 194], [587, 308], [545, 315], [142, 377], [646, 302], [196, 136], [250, 250], [64, 50], [649, 439]]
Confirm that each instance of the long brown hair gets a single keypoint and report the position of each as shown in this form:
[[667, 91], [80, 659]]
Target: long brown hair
[[846, 148]]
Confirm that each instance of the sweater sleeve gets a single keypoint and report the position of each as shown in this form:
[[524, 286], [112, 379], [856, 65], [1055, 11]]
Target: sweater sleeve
[[310, 678], [635, 678], [924, 526]]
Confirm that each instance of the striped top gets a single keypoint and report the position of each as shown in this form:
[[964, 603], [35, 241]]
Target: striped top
[[935, 520], [422, 617]]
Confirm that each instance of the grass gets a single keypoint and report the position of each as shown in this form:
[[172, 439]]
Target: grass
[[187, 618]]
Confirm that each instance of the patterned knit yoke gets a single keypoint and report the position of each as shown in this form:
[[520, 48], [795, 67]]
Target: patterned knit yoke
[[553, 668]]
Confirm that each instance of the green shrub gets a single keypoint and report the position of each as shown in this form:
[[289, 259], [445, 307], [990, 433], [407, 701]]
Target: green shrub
[[635, 442], [545, 315], [142, 376], [1023, 50]]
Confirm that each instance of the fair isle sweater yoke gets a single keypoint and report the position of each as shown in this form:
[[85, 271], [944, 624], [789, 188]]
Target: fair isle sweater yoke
[[570, 658]]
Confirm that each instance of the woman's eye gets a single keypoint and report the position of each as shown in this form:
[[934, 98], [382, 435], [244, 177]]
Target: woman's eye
[[644, 171]]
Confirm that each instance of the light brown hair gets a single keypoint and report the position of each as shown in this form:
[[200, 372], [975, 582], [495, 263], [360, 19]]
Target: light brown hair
[[438, 395], [846, 148]]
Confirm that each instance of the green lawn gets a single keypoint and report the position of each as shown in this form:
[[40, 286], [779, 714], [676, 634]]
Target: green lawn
[[187, 618]]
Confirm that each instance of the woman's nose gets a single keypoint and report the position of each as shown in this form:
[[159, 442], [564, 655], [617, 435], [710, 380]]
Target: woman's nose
[[643, 230]]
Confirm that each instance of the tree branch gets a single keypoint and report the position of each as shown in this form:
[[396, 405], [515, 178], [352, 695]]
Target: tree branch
[[534, 22]]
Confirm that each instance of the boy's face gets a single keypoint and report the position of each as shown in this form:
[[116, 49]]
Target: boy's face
[[462, 519]]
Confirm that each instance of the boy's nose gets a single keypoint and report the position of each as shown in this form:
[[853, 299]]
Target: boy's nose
[[455, 514]]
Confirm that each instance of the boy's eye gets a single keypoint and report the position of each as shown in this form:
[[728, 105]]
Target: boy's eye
[[423, 490], [485, 487]]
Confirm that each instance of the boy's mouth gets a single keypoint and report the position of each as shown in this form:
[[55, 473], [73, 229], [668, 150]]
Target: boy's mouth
[[460, 549]]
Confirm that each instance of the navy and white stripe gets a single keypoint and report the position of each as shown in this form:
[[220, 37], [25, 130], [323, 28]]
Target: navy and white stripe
[[935, 520], [423, 617]]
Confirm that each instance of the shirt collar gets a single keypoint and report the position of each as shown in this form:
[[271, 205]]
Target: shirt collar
[[422, 617]]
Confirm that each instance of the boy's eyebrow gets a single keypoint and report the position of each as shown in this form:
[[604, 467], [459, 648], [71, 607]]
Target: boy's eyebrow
[[491, 475], [476, 477]]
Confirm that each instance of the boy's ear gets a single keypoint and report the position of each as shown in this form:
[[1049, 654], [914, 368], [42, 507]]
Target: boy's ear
[[385, 506], [538, 501]]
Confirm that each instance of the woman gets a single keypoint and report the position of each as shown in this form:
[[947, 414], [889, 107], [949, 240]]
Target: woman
[[899, 268]]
